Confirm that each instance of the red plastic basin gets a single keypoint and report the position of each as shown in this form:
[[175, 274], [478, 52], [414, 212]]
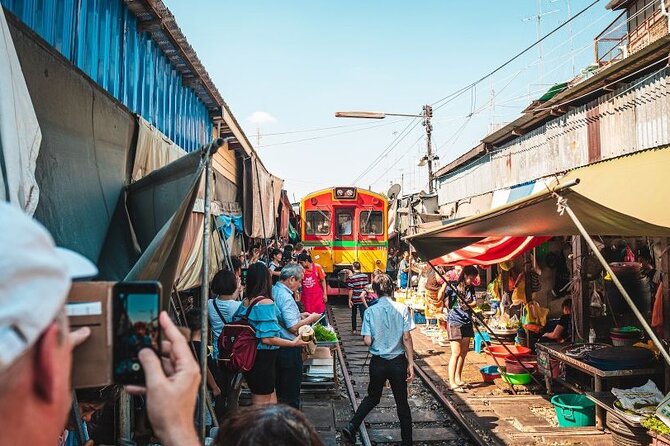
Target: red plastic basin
[[512, 364], [499, 352]]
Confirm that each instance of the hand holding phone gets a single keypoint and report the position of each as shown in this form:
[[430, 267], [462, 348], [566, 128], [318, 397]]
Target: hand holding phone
[[136, 308], [171, 387]]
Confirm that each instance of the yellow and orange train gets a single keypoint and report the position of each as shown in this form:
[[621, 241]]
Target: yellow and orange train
[[342, 225]]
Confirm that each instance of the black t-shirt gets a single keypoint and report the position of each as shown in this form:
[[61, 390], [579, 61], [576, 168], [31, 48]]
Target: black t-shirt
[[211, 364], [566, 322]]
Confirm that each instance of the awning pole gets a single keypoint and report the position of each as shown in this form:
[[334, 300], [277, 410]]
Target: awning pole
[[563, 206], [209, 151]]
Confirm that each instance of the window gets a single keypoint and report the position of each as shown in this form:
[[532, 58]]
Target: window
[[317, 222], [344, 223], [372, 223]]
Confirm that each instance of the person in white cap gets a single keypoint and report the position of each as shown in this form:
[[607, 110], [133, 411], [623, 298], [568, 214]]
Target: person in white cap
[[36, 344]]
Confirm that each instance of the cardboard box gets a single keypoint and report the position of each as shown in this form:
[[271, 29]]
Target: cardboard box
[[90, 305]]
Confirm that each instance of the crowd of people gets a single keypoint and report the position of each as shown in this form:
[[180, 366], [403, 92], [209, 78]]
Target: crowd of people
[[283, 290]]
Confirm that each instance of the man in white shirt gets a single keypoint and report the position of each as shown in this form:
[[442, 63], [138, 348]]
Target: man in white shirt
[[386, 329]]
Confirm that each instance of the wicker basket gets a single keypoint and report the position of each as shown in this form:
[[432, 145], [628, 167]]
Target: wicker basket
[[659, 439], [623, 435]]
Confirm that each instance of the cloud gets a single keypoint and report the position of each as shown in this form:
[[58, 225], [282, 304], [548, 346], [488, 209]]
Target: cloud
[[261, 117]]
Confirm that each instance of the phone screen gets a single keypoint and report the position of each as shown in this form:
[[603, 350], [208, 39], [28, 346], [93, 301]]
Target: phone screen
[[136, 310], [243, 276]]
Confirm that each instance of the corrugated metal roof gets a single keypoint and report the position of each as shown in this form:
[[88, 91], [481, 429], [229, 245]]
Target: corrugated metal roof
[[106, 40], [634, 117], [584, 91]]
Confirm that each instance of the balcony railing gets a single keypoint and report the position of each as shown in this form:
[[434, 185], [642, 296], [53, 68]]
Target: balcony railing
[[611, 45]]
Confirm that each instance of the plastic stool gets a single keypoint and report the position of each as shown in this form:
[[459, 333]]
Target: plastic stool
[[480, 339]]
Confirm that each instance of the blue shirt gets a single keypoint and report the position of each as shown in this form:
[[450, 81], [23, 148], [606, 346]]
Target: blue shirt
[[228, 308], [289, 314], [264, 319], [386, 322]]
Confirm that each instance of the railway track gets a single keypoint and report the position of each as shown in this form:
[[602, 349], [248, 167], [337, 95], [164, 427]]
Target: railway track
[[435, 421]]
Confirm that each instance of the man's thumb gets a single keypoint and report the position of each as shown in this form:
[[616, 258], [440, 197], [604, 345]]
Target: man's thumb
[[153, 371]]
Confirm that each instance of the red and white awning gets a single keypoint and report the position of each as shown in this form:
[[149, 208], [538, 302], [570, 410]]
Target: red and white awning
[[490, 250]]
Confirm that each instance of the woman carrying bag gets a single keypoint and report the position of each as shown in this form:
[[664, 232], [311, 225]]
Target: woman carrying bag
[[459, 322], [263, 317]]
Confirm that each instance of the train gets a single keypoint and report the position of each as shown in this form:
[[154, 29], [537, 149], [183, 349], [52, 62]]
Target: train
[[341, 225]]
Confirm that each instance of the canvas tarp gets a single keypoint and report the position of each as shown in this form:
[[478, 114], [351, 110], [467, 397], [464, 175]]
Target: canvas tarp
[[625, 196], [191, 259], [149, 227], [262, 191], [20, 134], [153, 150], [285, 209]]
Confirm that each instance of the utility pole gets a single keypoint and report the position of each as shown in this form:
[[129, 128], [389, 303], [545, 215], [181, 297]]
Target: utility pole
[[427, 114]]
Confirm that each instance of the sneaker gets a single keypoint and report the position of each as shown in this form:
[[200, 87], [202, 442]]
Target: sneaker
[[349, 433]]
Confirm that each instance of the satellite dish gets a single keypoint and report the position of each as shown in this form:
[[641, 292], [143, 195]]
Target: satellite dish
[[393, 192]]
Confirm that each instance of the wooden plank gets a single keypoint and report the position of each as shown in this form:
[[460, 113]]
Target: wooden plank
[[224, 162]]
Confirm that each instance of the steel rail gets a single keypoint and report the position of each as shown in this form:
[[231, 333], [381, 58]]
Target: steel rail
[[442, 399], [347, 382]]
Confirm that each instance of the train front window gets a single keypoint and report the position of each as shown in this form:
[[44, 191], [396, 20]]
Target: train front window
[[317, 222], [344, 223], [371, 223]]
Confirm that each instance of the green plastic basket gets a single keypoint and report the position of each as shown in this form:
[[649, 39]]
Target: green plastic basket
[[574, 410]]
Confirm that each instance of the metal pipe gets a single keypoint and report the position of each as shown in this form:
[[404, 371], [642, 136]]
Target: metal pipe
[[563, 206], [204, 290], [481, 320], [125, 416]]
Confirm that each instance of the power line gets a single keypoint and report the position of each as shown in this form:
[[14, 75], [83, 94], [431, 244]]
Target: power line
[[457, 93], [325, 128], [397, 160], [330, 135], [399, 137]]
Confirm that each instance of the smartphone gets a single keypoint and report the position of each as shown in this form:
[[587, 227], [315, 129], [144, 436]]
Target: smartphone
[[243, 276], [136, 306]]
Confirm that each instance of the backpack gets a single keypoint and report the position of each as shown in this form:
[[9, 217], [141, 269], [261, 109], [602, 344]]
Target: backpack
[[237, 342]]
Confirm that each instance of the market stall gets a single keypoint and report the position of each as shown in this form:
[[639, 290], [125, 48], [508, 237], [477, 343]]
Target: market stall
[[598, 200]]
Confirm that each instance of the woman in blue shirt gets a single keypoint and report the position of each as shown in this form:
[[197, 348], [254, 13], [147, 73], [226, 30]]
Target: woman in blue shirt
[[264, 318], [459, 323]]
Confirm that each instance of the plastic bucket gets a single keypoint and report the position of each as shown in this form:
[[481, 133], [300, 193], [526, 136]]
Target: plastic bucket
[[519, 379], [574, 410], [529, 363], [489, 373], [499, 352]]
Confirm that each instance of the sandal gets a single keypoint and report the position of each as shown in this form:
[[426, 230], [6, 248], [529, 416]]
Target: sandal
[[458, 389]]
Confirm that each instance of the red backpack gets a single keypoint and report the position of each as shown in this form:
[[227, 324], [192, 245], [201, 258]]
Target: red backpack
[[238, 343]]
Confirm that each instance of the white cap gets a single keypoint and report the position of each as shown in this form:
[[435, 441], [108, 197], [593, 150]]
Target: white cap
[[35, 279]]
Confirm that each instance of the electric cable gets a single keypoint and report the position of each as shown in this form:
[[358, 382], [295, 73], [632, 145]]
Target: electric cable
[[385, 124], [399, 137], [457, 93], [319, 129]]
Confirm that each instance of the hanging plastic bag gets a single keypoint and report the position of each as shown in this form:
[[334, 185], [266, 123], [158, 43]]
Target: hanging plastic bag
[[534, 314], [596, 300], [629, 256]]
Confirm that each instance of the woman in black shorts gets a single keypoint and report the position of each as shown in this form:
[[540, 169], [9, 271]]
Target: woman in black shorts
[[459, 324], [263, 317]]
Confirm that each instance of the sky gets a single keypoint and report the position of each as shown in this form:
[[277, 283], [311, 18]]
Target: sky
[[285, 67]]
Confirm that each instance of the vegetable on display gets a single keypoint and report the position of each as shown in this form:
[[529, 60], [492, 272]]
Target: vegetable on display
[[655, 425], [322, 334]]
